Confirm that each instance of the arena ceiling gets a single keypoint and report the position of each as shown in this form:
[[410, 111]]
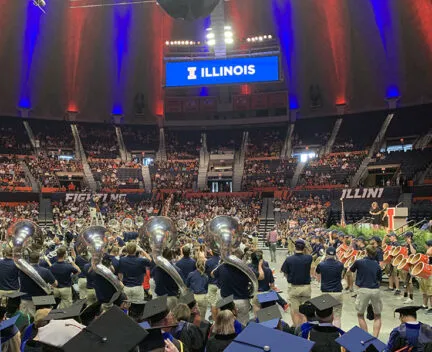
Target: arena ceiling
[[97, 59]]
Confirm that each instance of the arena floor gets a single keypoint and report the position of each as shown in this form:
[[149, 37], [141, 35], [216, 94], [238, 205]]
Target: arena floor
[[349, 315]]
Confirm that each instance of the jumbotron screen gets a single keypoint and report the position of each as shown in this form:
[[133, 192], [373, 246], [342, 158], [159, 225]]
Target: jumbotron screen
[[222, 71]]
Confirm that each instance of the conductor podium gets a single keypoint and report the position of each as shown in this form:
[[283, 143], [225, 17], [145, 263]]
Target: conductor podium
[[397, 217]]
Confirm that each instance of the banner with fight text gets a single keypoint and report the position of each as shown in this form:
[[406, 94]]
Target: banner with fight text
[[103, 197]]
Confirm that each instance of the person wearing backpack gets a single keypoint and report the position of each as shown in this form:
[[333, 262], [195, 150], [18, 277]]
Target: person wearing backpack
[[413, 335]]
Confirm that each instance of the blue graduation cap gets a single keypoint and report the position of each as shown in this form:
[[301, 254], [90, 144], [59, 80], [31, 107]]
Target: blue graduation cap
[[6, 327], [267, 299], [145, 325], [258, 338], [358, 340]]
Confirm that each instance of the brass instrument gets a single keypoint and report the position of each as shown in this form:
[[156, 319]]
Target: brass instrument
[[127, 224], [223, 233], [93, 238], [26, 233], [139, 222], [114, 225], [161, 233], [182, 224]]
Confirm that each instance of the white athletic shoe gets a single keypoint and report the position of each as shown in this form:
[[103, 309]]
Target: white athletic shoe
[[408, 301]]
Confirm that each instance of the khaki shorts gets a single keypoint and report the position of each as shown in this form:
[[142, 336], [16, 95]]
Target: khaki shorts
[[135, 293], [366, 296], [212, 295], [426, 286], [65, 296], [338, 296], [298, 294]]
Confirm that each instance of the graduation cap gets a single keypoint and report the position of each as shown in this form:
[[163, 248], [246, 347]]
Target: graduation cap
[[136, 309], [74, 311], [6, 328], [44, 301], [13, 298], [188, 299], [324, 305], [155, 338], [118, 298], [408, 310], [358, 340], [156, 309], [105, 335], [226, 303], [90, 313], [269, 316], [267, 299], [13, 295], [258, 338], [57, 333]]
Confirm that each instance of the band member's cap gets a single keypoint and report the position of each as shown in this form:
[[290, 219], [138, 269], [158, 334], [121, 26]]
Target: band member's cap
[[156, 309], [331, 251], [324, 302], [358, 340], [269, 316], [408, 310], [258, 338], [44, 301], [267, 299], [113, 331], [409, 234], [376, 238], [429, 243], [189, 299], [224, 302], [391, 234]]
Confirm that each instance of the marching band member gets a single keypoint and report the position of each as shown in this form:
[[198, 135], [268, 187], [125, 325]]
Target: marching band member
[[63, 271], [296, 269], [412, 249], [426, 284], [213, 287], [392, 271], [330, 272]]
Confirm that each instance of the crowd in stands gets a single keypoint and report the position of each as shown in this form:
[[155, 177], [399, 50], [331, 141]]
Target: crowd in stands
[[141, 137], [115, 174], [268, 173], [9, 213], [180, 175], [182, 145], [331, 169], [45, 167], [246, 209], [266, 142], [11, 173], [99, 141], [410, 161], [118, 210], [53, 135], [13, 137], [299, 213]]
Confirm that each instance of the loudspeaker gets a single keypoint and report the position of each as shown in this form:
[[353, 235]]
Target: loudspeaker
[[188, 9]]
